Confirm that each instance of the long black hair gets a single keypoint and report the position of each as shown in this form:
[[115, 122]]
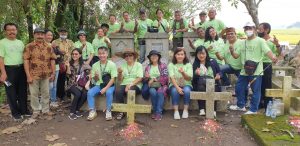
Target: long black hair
[[197, 62], [208, 37], [80, 58]]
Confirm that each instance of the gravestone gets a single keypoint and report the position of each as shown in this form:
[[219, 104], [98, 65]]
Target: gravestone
[[189, 35], [120, 41], [286, 93], [131, 108], [210, 96], [159, 42]]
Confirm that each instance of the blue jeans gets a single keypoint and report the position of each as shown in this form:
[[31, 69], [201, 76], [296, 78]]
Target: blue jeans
[[157, 100], [53, 88], [175, 95], [242, 85], [96, 91], [227, 69]]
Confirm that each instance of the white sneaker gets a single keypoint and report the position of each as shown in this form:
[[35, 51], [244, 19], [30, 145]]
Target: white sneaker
[[54, 104], [185, 114], [202, 112], [92, 115], [236, 108], [250, 113], [176, 115], [215, 114], [108, 116]]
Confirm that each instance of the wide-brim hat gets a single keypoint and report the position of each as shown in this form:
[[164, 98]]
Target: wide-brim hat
[[154, 52], [129, 51]]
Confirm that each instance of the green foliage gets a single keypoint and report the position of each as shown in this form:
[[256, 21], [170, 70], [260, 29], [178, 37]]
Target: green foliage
[[2, 94]]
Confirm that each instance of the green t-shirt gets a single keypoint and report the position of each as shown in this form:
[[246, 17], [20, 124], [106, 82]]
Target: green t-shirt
[[202, 25], [172, 25], [164, 24], [225, 52], [132, 73], [11, 51], [143, 27], [218, 25], [217, 45], [113, 27], [273, 48], [98, 42], [173, 72], [154, 72], [87, 51], [129, 25], [110, 68], [254, 50], [198, 43]]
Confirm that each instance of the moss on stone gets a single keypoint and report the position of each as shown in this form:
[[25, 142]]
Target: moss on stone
[[275, 137]]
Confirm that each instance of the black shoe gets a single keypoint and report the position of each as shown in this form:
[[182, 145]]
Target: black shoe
[[72, 116], [17, 118], [78, 114], [27, 115]]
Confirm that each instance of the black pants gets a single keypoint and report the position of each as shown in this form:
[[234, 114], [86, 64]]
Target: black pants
[[79, 98], [17, 92], [121, 94], [266, 84], [61, 85], [177, 42]]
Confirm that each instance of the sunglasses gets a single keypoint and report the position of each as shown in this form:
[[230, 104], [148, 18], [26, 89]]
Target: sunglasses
[[128, 55], [75, 53]]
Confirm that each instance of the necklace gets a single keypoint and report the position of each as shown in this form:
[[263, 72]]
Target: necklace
[[129, 71]]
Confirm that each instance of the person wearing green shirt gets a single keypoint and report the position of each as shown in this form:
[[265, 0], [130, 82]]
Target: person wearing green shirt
[[13, 73], [199, 41], [179, 26], [161, 23], [204, 68], [215, 23], [100, 41], [202, 17], [252, 50], [130, 75], [127, 25], [213, 43], [181, 74], [114, 27], [104, 84], [85, 46], [264, 30], [141, 28], [232, 65]]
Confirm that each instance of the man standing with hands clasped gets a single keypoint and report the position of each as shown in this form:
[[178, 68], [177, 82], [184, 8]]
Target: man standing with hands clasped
[[251, 52]]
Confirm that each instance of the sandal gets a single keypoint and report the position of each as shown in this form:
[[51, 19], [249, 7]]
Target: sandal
[[120, 116]]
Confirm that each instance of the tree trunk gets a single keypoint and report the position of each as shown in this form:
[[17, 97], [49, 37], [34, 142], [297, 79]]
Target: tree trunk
[[61, 8], [81, 18], [26, 8], [252, 8], [47, 14]]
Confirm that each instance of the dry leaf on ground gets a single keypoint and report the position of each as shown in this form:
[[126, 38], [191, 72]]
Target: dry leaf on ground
[[174, 126], [28, 121], [270, 122], [52, 137], [11, 130], [265, 130]]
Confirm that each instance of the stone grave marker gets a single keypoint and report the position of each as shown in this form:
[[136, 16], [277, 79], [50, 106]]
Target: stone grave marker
[[120, 41], [189, 35]]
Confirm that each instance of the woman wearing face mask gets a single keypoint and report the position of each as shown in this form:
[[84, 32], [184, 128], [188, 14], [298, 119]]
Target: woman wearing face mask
[[180, 73], [213, 43], [204, 68]]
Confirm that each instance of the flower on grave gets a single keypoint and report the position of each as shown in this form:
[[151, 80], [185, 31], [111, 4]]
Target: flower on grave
[[131, 131], [295, 122]]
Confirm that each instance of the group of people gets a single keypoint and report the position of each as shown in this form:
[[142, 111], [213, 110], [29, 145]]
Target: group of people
[[44, 66]]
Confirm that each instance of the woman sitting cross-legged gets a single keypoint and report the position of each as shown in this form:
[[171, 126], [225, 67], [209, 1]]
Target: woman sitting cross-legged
[[180, 73], [104, 73], [156, 73], [204, 68], [130, 75], [78, 73]]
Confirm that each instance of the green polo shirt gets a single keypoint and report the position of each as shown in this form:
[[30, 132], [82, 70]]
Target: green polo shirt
[[110, 67], [198, 43], [87, 51], [12, 51], [113, 27], [131, 73], [164, 24], [98, 42], [179, 34], [218, 25], [225, 53], [129, 25], [143, 27], [273, 48], [217, 45]]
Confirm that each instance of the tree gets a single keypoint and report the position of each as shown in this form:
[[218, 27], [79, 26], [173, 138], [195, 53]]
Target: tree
[[251, 6]]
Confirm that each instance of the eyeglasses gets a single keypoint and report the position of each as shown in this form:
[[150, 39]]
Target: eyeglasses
[[75, 53], [128, 55], [231, 33]]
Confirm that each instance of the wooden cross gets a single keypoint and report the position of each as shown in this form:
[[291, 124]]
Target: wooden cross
[[285, 93], [210, 96], [131, 108]]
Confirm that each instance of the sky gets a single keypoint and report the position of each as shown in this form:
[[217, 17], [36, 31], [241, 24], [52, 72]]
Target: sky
[[279, 13]]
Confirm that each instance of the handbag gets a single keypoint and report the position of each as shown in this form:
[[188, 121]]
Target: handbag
[[62, 68], [105, 76], [156, 84], [83, 78], [249, 66]]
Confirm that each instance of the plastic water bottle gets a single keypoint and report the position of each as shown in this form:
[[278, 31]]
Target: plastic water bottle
[[269, 109], [273, 113]]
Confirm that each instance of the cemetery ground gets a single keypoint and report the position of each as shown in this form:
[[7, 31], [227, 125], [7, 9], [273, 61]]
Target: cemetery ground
[[184, 132]]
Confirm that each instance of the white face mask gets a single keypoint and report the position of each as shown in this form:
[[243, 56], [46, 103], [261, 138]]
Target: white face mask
[[249, 33], [63, 37]]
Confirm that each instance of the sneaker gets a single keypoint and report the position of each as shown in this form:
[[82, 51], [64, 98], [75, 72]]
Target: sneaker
[[185, 114], [215, 114], [92, 115], [54, 104], [17, 118], [158, 117], [236, 108], [78, 114], [27, 115], [120, 116], [202, 112], [108, 116], [72, 116], [250, 113], [176, 115]]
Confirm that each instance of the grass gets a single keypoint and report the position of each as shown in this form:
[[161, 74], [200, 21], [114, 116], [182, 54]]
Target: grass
[[275, 137], [2, 94]]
